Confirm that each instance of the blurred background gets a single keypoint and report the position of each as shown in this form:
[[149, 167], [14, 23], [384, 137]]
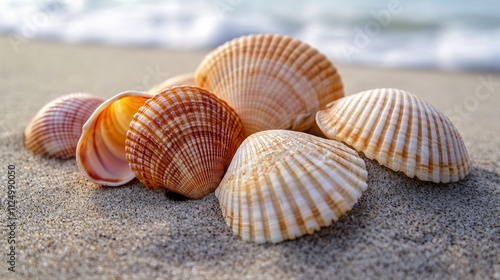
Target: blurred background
[[446, 34]]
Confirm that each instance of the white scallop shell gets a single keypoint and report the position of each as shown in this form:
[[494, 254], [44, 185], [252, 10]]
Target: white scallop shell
[[283, 184], [400, 131]]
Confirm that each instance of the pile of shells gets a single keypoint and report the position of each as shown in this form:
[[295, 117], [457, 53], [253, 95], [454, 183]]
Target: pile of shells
[[237, 127]]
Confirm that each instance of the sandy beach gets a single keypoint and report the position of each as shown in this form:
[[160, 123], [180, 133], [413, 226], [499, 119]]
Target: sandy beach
[[68, 227]]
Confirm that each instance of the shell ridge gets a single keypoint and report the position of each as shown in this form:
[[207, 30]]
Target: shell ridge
[[270, 211], [442, 144], [288, 224], [382, 126], [399, 126], [431, 147], [413, 129], [300, 202], [347, 181], [454, 150], [374, 137], [403, 125], [323, 182], [147, 125], [337, 151]]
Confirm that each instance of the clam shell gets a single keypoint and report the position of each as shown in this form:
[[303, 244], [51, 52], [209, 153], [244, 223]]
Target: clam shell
[[182, 140], [56, 128], [283, 184], [272, 81], [100, 153], [400, 131], [179, 80]]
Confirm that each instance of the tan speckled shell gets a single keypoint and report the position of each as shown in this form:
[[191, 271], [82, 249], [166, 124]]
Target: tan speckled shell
[[400, 131], [283, 184], [56, 128], [182, 140], [271, 81], [186, 79], [100, 153]]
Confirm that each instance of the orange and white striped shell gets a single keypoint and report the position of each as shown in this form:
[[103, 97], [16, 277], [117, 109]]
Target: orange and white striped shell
[[56, 128], [271, 81], [186, 79], [284, 184], [182, 140], [100, 153], [400, 131]]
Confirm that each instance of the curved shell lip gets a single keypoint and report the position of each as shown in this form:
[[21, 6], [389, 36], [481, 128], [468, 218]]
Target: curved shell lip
[[108, 102], [87, 126]]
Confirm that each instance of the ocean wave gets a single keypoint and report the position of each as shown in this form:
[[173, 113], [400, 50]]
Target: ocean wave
[[385, 33]]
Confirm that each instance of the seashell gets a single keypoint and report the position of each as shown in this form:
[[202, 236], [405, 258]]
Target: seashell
[[56, 128], [100, 153], [400, 131], [271, 81], [283, 184], [182, 140], [179, 80]]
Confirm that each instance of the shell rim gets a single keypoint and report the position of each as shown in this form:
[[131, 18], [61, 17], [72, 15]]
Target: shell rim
[[88, 124]]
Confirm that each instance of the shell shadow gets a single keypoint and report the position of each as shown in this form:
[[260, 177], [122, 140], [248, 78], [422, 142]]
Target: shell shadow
[[194, 229]]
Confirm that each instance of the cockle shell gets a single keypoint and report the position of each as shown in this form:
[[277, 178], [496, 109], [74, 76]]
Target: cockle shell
[[400, 131], [56, 128], [272, 81], [182, 140], [186, 79], [283, 184], [100, 153]]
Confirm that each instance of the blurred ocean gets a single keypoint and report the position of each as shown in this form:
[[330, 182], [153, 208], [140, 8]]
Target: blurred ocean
[[446, 34]]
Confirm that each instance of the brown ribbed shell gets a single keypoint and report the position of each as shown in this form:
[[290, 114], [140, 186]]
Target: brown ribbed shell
[[400, 131], [271, 81], [182, 140], [283, 184], [56, 128]]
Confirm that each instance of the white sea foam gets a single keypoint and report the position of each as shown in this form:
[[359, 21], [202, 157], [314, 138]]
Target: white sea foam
[[445, 35]]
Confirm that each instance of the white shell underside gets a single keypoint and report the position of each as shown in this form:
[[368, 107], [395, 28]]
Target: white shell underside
[[400, 131], [284, 184]]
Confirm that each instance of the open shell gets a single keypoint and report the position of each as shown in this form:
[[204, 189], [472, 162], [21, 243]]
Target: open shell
[[182, 140], [56, 128], [100, 153], [272, 81], [283, 184], [400, 131], [186, 79]]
